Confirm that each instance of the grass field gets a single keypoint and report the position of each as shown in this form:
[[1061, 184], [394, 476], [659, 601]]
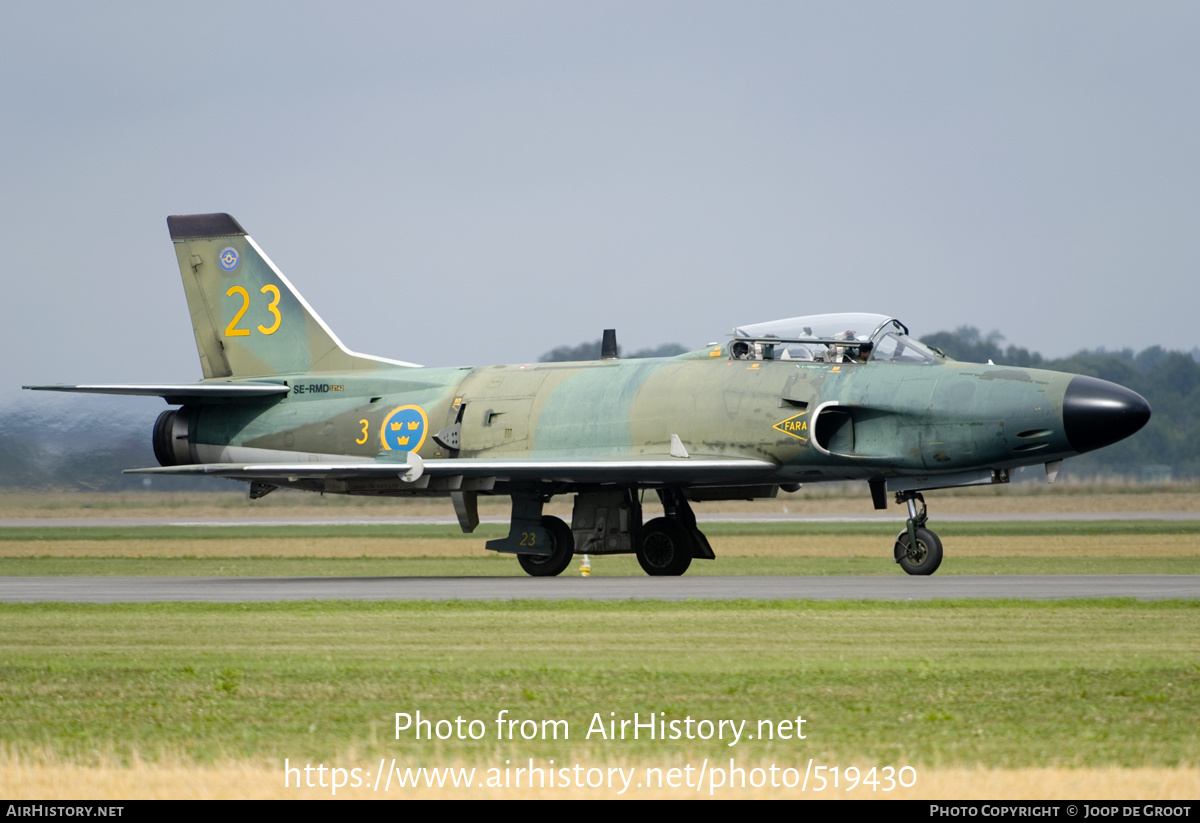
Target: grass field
[[254, 780], [827, 498], [1086, 547], [986, 699], [1005, 685], [977, 685]]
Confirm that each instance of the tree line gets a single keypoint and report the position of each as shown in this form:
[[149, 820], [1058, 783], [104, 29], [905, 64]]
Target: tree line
[[83, 443]]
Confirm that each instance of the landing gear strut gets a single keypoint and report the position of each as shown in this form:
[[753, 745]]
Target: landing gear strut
[[918, 550], [543, 544]]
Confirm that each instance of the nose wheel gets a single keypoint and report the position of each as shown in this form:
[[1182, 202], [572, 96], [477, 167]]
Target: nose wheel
[[918, 550]]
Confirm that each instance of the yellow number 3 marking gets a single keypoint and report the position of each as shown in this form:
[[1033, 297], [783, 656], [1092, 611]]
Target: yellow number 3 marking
[[365, 424], [273, 307]]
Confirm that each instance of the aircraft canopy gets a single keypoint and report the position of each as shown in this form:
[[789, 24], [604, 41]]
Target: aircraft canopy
[[831, 338]]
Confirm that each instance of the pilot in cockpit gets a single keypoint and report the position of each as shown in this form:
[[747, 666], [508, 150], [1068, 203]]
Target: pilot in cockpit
[[745, 350], [839, 353], [845, 347], [863, 353]]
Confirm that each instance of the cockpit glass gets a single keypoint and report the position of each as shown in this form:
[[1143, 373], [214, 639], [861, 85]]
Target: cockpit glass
[[860, 327], [896, 349], [830, 338]]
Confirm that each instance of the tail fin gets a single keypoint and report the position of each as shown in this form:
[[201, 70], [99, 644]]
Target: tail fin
[[248, 319]]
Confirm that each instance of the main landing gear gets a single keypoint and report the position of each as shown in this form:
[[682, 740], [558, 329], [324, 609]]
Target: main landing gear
[[669, 543], [603, 522], [918, 550], [666, 548], [562, 547]]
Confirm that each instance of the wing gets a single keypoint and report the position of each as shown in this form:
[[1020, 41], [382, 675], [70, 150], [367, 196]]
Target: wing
[[649, 469]]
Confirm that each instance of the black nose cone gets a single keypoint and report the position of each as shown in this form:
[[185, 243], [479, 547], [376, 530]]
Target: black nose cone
[[1097, 413]]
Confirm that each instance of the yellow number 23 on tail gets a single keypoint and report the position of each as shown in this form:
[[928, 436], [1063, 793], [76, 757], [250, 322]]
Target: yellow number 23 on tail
[[273, 307]]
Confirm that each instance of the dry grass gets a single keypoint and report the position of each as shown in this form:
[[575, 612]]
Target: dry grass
[[23, 780], [851, 545], [240, 547], [949, 502], [190, 505], [1146, 545], [837, 500]]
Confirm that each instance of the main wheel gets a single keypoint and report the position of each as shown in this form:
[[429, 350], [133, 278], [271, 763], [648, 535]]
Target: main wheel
[[924, 558], [563, 545], [666, 548]]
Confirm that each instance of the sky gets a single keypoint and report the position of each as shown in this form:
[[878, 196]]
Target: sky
[[468, 183]]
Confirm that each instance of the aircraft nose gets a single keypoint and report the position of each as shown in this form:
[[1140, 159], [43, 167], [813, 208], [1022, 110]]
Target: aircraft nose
[[1097, 413]]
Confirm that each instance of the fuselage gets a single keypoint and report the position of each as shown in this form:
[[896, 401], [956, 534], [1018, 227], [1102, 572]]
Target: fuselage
[[815, 421]]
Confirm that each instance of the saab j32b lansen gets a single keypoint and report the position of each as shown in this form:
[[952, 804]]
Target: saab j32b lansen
[[803, 400]]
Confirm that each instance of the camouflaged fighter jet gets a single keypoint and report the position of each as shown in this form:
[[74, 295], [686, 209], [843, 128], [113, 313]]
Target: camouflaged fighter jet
[[810, 399]]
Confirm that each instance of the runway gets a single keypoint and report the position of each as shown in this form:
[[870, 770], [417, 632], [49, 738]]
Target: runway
[[892, 587]]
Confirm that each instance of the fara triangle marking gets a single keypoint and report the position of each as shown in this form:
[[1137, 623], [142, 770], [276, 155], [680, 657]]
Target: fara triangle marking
[[794, 426]]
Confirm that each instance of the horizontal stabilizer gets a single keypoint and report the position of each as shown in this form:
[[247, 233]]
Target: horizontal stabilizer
[[176, 393]]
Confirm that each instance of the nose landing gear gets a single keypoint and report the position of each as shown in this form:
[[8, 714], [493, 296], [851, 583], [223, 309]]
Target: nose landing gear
[[918, 550]]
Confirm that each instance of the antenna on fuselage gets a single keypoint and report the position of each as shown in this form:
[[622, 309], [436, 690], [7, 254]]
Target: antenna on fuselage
[[608, 346]]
